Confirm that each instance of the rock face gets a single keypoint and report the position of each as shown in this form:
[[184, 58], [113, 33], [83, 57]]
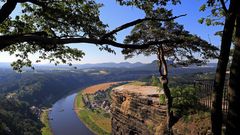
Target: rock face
[[136, 110]]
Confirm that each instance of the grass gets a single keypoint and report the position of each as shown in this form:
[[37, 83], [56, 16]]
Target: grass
[[46, 130], [96, 121], [137, 83]]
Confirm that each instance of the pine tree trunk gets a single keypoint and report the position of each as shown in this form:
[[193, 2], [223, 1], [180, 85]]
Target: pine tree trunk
[[219, 81], [166, 90], [163, 71], [233, 118]]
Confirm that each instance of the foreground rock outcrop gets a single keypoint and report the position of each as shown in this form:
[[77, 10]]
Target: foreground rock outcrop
[[136, 110], [194, 124]]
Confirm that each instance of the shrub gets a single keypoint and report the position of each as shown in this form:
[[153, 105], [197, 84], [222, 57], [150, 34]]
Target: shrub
[[162, 99], [185, 100]]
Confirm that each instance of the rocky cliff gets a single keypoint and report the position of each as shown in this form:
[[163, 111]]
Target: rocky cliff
[[136, 110]]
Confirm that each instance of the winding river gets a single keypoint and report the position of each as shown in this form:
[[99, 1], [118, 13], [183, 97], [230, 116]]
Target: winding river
[[64, 120]]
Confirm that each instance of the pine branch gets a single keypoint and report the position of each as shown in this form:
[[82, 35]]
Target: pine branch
[[135, 22]]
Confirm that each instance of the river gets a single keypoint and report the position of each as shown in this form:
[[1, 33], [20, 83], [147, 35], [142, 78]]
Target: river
[[64, 120]]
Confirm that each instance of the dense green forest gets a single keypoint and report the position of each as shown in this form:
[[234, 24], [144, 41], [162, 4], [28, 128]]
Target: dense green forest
[[17, 118], [42, 87]]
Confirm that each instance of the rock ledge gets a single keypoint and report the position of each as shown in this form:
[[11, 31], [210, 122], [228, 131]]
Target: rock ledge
[[136, 110]]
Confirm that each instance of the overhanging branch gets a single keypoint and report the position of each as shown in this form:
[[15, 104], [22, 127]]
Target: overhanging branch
[[135, 22], [43, 41], [7, 9], [10, 5]]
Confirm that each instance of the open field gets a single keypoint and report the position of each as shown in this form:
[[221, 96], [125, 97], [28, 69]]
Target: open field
[[94, 120], [102, 87], [46, 130]]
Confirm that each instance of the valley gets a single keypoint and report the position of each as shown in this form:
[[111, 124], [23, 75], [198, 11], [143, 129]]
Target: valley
[[41, 88]]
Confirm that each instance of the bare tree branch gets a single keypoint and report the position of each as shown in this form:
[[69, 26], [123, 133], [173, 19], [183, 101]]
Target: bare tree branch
[[127, 25]]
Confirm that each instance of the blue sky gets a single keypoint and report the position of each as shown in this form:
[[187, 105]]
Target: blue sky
[[115, 15]]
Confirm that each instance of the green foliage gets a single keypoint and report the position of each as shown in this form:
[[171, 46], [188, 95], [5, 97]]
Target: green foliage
[[148, 5], [66, 18], [80, 19], [201, 20], [181, 47], [162, 99], [62, 19], [189, 78], [185, 100], [184, 96], [39, 89], [203, 7], [155, 81], [208, 22], [216, 14], [16, 118]]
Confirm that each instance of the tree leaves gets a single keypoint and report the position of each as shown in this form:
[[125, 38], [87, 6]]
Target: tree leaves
[[216, 13], [183, 48], [148, 5], [66, 19], [203, 7], [201, 20], [80, 20]]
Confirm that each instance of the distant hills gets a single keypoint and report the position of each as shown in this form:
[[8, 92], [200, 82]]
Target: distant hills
[[136, 66], [112, 65], [5, 65], [84, 66]]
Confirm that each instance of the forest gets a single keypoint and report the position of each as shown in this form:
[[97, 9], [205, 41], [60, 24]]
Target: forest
[[45, 27]]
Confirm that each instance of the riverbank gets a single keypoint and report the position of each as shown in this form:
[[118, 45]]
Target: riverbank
[[93, 119], [46, 130], [64, 120], [92, 106]]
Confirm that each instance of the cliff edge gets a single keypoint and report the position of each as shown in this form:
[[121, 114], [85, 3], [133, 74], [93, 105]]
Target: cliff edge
[[136, 110]]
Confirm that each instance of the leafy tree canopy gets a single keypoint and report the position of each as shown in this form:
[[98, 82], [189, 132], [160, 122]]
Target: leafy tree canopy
[[217, 11], [44, 26], [184, 49], [53, 20]]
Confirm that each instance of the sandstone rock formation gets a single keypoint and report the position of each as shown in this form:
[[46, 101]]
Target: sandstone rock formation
[[136, 110]]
